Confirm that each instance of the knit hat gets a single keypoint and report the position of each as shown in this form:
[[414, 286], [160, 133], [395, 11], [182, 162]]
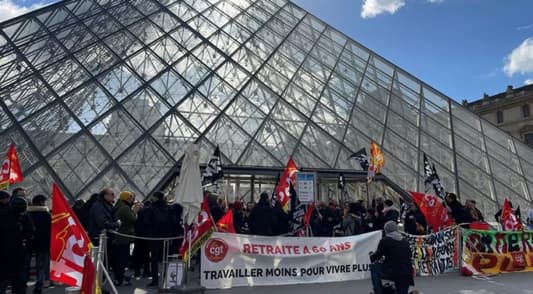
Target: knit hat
[[4, 194], [125, 195], [390, 227]]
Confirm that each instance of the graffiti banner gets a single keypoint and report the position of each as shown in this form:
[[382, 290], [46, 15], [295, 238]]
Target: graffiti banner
[[492, 252], [436, 253]]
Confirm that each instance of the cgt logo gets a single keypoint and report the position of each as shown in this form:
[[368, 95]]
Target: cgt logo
[[216, 250]]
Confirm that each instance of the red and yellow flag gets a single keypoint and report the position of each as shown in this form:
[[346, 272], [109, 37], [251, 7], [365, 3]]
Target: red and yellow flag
[[225, 223], [282, 190], [376, 161], [11, 172], [69, 243]]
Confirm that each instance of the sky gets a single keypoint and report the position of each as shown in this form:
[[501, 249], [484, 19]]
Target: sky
[[462, 48]]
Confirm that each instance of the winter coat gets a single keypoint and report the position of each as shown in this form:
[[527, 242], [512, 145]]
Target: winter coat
[[352, 224], [261, 219], [331, 218], [162, 220], [397, 253], [101, 217], [16, 231], [127, 217], [238, 221], [142, 225], [42, 220], [459, 213], [391, 213], [216, 211]]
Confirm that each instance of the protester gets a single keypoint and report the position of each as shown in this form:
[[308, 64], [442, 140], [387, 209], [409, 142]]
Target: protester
[[216, 210], [101, 216], [126, 213], [40, 244], [457, 210], [16, 230], [397, 264], [352, 221], [475, 213], [141, 249], [390, 212], [332, 217], [85, 211], [530, 219], [261, 217], [369, 221], [238, 217], [415, 223]]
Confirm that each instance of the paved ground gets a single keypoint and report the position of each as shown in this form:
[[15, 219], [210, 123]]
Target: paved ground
[[515, 283]]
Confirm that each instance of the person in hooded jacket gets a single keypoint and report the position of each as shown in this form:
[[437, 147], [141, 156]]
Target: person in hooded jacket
[[16, 231], [40, 245], [102, 217], [262, 217], [395, 253]]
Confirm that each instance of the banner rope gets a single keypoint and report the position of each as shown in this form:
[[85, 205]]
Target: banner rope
[[145, 238]]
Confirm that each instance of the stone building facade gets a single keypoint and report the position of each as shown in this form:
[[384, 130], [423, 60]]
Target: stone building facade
[[511, 110]]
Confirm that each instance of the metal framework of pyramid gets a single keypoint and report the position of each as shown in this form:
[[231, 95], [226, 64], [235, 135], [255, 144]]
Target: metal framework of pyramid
[[103, 92]]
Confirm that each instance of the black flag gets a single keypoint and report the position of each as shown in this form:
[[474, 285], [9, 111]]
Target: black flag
[[213, 170], [361, 157], [432, 179], [297, 213]]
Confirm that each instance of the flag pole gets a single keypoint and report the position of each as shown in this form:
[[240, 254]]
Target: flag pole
[[367, 195]]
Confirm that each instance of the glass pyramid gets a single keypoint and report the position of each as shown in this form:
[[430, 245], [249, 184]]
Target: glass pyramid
[[103, 92]]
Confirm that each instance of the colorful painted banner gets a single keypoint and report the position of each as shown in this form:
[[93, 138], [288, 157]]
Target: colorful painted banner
[[231, 260], [436, 253], [492, 252]]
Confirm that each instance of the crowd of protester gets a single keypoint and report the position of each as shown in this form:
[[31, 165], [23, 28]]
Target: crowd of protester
[[25, 230]]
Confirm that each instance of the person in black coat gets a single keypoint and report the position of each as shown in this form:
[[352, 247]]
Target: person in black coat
[[415, 223], [395, 252], [40, 245], [16, 231], [214, 207], [238, 217], [85, 211], [101, 216], [262, 217], [141, 248], [390, 212], [457, 210]]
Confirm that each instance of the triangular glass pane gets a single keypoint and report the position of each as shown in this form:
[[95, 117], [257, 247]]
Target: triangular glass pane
[[304, 158], [329, 121], [164, 20], [245, 114], [430, 126], [191, 69], [367, 124], [321, 144], [355, 140], [403, 128], [146, 31], [484, 202], [402, 149], [235, 30], [27, 156], [272, 79], [232, 139], [102, 25], [276, 140], [84, 8], [174, 135], [376, 90], [125, 13], [261, 96], [168, 49], [145, 6], [115, 132], [202, 25], [232, 74], [26, 97], [146, 108], [78, 162], [120, 82], [296, 97], [216, 16], [198, 5], [255, 155], [476, 177], [283, 64], [182, 10], [186, 38], [398, 172], [208, 55], [75, 37], [344, 162], [123, 44], [286, 117], [113, 179], [337, 103], [96, 58], [218, 91], [50, 128], [43, 52], [38, 181], [89, 103], [145, 164], [233, 8], [224, 42], [247, 59], [12, 69], [64, 76], [145, 64], [57, 18], [198, 111], [171, 87]]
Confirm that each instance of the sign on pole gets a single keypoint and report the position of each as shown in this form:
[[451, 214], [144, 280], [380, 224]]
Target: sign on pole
[[306, 183]]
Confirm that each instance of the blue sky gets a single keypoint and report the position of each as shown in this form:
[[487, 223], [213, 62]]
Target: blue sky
[[462, 48]]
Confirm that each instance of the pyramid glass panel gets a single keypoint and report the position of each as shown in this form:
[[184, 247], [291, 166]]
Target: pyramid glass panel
[[111, 93]]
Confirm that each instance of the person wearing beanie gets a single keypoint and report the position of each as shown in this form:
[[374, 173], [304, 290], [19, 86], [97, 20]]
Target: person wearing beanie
[[395, 252], [126, 212], [40, 245]]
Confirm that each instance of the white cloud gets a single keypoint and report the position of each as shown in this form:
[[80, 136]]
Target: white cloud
[[521, 59], [435, 1], [372, 8], [9, 9], [528, 82]]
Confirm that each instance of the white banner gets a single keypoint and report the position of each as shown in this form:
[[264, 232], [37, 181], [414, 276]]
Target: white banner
[[231, 260]]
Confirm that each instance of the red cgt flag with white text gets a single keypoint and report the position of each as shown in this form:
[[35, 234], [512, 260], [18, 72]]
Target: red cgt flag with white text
[[197, 233], [69, 243], [282, 190], [11, 172]]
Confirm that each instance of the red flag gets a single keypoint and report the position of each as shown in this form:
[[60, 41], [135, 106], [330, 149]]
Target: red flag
[[225, 223], [69, 243], [376, 161], [89, 276], [197, 233], [11, 172], [282, 190], [509, 220], [308, 214], [434, 212]]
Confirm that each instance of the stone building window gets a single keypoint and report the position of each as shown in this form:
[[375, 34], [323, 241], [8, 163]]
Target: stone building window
[[528, 138], [525, 110], [499, 116]]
